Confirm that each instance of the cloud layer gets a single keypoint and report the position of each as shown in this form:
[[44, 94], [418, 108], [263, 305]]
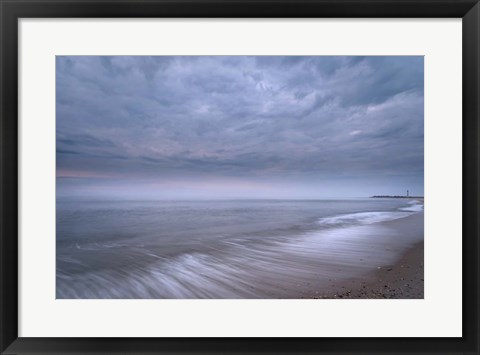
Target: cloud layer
[[239, 126]]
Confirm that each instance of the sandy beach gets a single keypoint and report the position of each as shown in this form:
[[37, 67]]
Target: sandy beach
[[402, 279]]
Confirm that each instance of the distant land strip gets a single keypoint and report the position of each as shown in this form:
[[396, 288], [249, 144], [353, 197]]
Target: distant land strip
[[396, 196]]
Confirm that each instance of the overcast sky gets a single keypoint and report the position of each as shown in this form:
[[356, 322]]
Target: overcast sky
[[239, 127]]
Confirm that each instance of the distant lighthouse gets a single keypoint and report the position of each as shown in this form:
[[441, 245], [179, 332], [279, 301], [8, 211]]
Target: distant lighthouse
[[407, 193]]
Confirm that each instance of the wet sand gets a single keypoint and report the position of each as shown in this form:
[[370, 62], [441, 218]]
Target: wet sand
[[403, 279]]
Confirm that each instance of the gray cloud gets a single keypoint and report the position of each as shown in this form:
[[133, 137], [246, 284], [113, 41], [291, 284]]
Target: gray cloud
[[286, 120]]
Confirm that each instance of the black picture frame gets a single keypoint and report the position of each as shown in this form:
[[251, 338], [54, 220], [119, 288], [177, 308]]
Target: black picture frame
[[13, 10]]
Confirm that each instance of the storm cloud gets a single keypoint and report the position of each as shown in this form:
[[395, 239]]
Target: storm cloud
[[236, 126]]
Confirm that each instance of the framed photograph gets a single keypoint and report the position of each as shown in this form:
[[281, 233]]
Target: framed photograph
[[239, 177]]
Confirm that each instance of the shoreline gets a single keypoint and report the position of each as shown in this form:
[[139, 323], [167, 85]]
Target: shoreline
[[359, 256], [401, 279]]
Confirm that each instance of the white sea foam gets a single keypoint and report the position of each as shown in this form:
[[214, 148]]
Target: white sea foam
[[362, 218], [414, 207]]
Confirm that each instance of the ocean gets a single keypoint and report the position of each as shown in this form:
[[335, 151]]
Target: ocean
[[223, 249]]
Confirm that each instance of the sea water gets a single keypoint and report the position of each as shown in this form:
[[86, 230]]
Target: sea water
[[221, 249]]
